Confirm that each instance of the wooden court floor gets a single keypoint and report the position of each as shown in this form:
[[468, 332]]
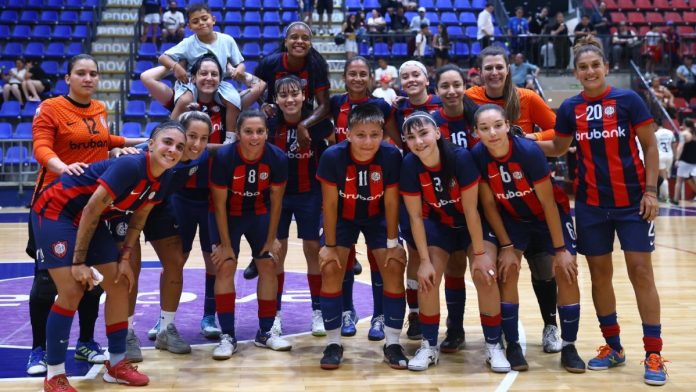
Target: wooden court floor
[[254, 369]]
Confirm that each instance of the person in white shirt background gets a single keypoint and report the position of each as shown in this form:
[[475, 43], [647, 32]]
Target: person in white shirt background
[[418, 20], [666, 144], [384, 90], [173, 24], [485, 26], [383, 68]]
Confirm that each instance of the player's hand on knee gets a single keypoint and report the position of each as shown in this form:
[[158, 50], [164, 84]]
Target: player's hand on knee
[[507, 263], [83, 274], [565, 266], [125, 271], [426, 276], [328, 255], [396, 254]]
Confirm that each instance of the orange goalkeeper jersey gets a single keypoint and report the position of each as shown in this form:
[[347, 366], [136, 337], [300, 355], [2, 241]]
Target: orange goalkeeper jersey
[[72, 132]]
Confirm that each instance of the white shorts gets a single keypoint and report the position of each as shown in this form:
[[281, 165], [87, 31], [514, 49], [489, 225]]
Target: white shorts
[[686, 170], [666, 162], [351, 46], [152, 19]]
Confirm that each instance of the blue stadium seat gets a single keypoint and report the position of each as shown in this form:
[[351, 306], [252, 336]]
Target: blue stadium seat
[[252, 17], [51, 68], [444, 5], [21, 33], [271, 5], [157, 110], [289, 17], [7, 64], [449, 19], [61, 88], [29, 110], [429, 5], [137, 90], [53, 5], [9, 16], [353, 5], [433, 17], [250, 66], [87, 17], [271, 32], [81, 33], [29, 17], [4, 32], [5, 131], [23, 131], [271, 18], [10, 110], [17, 5], [251, 33], [12, 50], [74, 4], [475, 49], [252, 5], [216, 5], [35, 5], [363, 49], [55, 50], [135, 109], [478, 5], [400, 49], [140, 67], [64, 68], [62, 33], [166, 46], [455, 32], [369, 5], [149, 127], [381, 49], [460, 49], [269, 47], [462, 5], [233, 31], [471, 32], [49, 17], [41, 32], [235, 5], [233, 18], [217, 15], [131, 129], [67, 17], [467, 18], [34, 50], [147, 50], [251, 50], [289, 5], [17, 155], [74, 49]]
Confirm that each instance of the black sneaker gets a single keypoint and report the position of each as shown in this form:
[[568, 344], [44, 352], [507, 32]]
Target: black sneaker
[[414, 328], [571, 361], [250, 272], [357, 268], [454, 340], [395, 357], [333, 354], [516, 357]]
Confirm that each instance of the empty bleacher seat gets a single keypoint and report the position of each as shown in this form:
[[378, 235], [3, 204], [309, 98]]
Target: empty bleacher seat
[[50, 68], [34, 50], [636, 18], [68, 17], [252, 17], [137, 90], [74, 49], [135, 109], [233, 31], [29, 110], [433, 17], [251, 50], [251, 33], [87, 17], [147, 50], [62, 33], [400, 49], [643, 5], [21, 33], [449, 19], [288, 17], [140, 67], [271, 32], [81, 33], [149, 127], [455, 32], [233, 17], [617, 17], [156, 110], [254, 5], [270, 18], [9, 16], [681, 5], [5, 131], [268, 48], [478, 5], [23, 131], [29, 17], [289, 5], [429, 5], [53, 4], [131, 129], [654, 18], [216, 5], [271, 5], [460, 49], [462, 5], [55, 50], [381, 49], [12, 50], [17, 155], [353, 5], [250, 66], [41, 32], [61, 88], [674, 17], [4, 32], [467, 18], [234, 5], [443, 5]]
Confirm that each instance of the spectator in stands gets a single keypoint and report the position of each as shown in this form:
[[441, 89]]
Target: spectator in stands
[[623, 43], [473, 78], [537, 26], [685, 157], [485, 26], [376, 23], [383, 68], [388, 6], [518, 30], [349, 28], [547, 54], [385, 91], [152, 17], [173, 24], [14, 79], [652, 51], [325, 7], [409, 5], [399, 23], [601, 20], [584, 28], [35, 81], [307, 10], [686, 78], [522, 71], [422, 40], [672, 42], [418, 20], [441, 45], [561, 42], [664, 95]]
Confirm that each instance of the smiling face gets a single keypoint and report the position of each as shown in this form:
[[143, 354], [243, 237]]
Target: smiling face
[[252, 137], [298, 41], [413, 81], [494, 71], [197, 135], [422, 141], [289, 100], [450, 88], [201, 22], [207, 78], [166, 149], [365, 139], [357, 78], [591, 70], [492, 128]]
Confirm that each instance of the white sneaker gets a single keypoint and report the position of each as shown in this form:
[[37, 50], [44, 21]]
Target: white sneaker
[[425, 356], [496, 358], [277, 327], [318, 323], [271, 340], [550, 340], [226, 347]]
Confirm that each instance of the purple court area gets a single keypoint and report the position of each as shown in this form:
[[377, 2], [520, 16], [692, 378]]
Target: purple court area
[[15, 329]]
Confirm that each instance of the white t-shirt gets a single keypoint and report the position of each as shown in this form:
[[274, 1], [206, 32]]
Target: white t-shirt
[[224, 48], [391, 71], [173, 20], [665, 138], [18, 75], [421, 42], [485, 24], [387, 94]]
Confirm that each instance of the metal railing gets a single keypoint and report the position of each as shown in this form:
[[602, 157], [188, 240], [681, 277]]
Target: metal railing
[[654, 101]]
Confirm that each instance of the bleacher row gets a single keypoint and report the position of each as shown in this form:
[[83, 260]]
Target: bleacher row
[[75, 5]]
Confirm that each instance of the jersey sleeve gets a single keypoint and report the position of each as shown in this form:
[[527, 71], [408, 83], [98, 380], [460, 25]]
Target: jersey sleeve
[[535, 164], [119, 178], [180, 50], [392, 167], [565, 121], [236, 57], [326, 172], [542, 115], [639, 114], [334, 105], [321, 130], [222, 163], [279, 168], [43, 133], [408, 181], [116, 141], [466, 170]]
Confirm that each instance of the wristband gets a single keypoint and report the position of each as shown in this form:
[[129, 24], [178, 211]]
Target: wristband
[[508, 245], [330, 246], [483, 252], [78, 263], [392, 243], [651, 188], [559, 248], [173, 66]]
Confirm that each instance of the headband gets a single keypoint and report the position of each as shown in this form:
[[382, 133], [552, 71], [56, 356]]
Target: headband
[[414, 63], [296, 23]]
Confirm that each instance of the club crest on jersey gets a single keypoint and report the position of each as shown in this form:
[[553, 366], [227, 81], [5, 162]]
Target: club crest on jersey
[[517, 175], [375, 177], [59, 248], [151, 195], [609, 111], [121, 229], [193, 170], [215, 109], [263, 176]]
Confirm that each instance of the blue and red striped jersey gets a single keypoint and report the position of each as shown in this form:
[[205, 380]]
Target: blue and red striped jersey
[[127, 179], [217, 115], [192, 177], [302, 161], [512, 178], [441, 202], [460, 129], [609, 171], [404, 109], [341, 105], [248, 183], [275, 66], [361, 185]]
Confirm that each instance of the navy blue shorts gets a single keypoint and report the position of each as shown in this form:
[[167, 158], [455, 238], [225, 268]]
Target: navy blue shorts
[[536, 234], [192, 215], [405, 226], [308, 6], [55, 242], [161, 222], [449, 239], [118, 227], [597, 225], [306, 207], [374, 230], [253, 228]]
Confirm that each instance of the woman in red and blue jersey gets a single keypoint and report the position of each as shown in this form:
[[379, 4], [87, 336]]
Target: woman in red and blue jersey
[[73, 242], [247, 181], [359, 180], [523, 206], [439, 184], [614, 194]]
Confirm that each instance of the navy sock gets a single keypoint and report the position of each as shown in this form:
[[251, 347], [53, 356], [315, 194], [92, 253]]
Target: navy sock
[[58, 334], [455, 296], [610, 330], [331, 310], [209, 302], [394, 309], [570, 321], [509, 313], [347, 288]]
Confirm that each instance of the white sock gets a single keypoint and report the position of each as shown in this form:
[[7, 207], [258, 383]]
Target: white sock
[[116, 358], [566, 343], [166, 318], [491, 346], [130, 322], [54, 370], [333, 336], [664, 190], [391, 335]]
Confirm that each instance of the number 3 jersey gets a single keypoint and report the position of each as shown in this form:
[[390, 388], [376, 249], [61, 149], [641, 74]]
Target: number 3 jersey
[[360, 185], [248, 183], [609, 172], [512, 178]]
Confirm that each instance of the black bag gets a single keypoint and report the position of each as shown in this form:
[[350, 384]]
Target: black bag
[[340, 39]]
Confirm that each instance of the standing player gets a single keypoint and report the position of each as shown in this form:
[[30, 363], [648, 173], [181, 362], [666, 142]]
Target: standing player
[[686, 160], [247, 183], [439, 183], [359, 180], [523, 205], [71, 236], [666, 144], [614, 194]]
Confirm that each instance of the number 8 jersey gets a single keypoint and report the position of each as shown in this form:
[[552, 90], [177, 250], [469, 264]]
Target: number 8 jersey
[[609, 172]]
